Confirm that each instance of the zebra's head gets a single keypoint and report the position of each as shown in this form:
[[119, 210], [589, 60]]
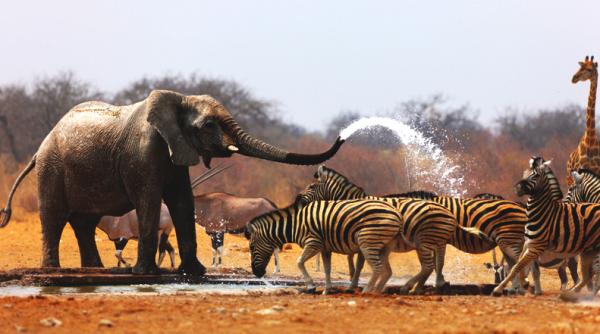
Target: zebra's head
[[530, 184], [576, 192], [329, 185], [261, 247]]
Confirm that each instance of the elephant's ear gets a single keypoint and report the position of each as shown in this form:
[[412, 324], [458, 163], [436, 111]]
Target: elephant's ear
[[163, 107]]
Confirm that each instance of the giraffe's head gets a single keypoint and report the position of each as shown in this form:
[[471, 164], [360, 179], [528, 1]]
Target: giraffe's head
[[588, 70]]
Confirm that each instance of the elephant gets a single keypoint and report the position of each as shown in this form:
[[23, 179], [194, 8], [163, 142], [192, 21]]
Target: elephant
[[101, 159]]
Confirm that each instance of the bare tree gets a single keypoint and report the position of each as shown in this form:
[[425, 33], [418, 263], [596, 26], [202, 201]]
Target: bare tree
[[54, 96], [535, 130]]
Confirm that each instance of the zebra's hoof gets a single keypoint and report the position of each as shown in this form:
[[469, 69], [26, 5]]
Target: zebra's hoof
[[443, 288], [403, 290], [311, 291], [330, 291], [497, 292]]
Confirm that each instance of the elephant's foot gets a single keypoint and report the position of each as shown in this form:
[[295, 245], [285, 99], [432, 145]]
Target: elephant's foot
[[91, 261], [142, 268], [50, 263], [192, 268]]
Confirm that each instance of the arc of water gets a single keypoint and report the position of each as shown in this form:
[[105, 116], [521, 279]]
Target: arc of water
[[442, 172]]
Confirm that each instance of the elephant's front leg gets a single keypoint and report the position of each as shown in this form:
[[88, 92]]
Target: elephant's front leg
[[148, 213], [180, 200]]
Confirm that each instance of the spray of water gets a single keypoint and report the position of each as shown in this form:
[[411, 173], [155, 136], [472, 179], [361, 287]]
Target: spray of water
[[428, 161]]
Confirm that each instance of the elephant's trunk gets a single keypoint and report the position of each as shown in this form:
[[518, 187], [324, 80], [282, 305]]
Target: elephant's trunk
[[253, 147]]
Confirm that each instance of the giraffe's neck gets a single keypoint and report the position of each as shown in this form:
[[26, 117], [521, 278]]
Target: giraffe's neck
[[590, 115]]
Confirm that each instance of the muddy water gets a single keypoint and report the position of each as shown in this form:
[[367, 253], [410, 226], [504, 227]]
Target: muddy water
[[141, 289]]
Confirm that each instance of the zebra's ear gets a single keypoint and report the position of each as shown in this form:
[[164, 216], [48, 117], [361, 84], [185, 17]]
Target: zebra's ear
[[577, 177], [547, 163], [320, 171]]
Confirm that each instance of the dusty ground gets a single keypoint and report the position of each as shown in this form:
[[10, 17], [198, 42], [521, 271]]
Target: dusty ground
[[20, 247]]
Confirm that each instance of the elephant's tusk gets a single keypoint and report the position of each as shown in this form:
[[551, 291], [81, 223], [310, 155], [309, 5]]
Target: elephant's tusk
[[233, 148]]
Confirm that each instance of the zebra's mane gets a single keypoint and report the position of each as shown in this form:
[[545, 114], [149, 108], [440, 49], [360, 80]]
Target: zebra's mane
[[337, 176], [423, 194], [487, 196], [588, 171], [553, 183]]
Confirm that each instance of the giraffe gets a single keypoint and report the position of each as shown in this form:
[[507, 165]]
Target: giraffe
[[587, 154]]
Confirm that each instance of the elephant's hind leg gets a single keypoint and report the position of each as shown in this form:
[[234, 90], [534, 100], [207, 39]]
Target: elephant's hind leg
[[52, 228], [53, 211], [84, 227]]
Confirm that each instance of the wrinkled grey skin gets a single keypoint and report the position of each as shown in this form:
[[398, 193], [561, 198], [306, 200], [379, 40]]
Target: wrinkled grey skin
[[107, 160]]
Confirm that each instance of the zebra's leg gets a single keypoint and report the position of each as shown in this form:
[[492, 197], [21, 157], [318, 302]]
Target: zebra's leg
[[535, 271], [317, 264], [360, 262], [590, 284], [374, 257], [276, 260], [525, 259], [587, 259], [310, 249], [426, 259], [573, 265], [327, 268], [387, 270], [351, 268], [596, 269], [511, 256], [562, 275], [440, 256]]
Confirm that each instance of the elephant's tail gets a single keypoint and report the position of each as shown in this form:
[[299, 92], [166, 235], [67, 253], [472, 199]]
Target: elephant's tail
[[7, 211]]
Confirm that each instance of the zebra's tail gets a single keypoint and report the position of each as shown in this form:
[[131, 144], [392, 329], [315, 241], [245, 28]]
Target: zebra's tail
[[475, 231], [7, 211]]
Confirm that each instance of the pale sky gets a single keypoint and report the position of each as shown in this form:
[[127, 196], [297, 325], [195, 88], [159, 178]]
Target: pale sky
[[316, 58]]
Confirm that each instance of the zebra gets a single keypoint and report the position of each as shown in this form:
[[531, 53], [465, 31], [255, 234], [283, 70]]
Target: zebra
[[502, 222], [428, 227], [346, 227], [586, 189], [551, 262], [555, 226]]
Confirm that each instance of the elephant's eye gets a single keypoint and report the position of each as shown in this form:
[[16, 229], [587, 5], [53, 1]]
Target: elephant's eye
[[210, 125]]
